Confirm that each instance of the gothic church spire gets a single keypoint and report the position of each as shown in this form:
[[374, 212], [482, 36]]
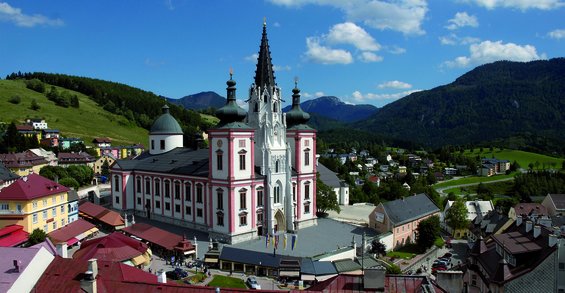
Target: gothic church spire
[[264, 75]]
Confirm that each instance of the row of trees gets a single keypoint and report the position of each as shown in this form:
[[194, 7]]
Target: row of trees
[[72, 176]]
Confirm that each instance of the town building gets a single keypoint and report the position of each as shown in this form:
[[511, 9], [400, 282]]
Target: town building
[[49, 156], [476, 210], [80, 158], [402, 216], [33, 202], [258, 176], [23, 163], [37, 123], [28, 131], [120, 151], [101, 142], [493, 166], [50, 137], [526, 258], [555, 204], [340, 188], [68, 142], [7, 177], [105, 161]]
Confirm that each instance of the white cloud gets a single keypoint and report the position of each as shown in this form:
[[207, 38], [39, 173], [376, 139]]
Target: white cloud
[[488, 51], [453, 39], [395, 84], [370, 57], [520, 4], [319, 94], [405, 16], [282, 67], [276, 24], [350, 33], [557, 34], [306, 95], [15, 15], [169, 4], [326, 55], [396, 50], [359, 97], [462, 19], [253, 57]]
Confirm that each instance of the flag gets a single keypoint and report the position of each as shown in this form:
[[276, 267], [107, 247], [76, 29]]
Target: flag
[[284, 241], [267, 240], [293, 241]]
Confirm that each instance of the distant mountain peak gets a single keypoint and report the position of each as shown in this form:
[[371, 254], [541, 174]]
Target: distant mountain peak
[[200, 101], [334, 108]]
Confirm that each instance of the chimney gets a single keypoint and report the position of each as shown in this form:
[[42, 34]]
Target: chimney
[[17, 265], [62, 250], [537, 231], [88, 282], [93, 267], [161, 277], [529, 226], [518, 220], [552, 240]]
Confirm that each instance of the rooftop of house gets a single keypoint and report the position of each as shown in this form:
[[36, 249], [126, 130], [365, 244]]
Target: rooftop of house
[[8, 272], [158, 236], [71, 230], [21, 160], [6, 174], [13, 235], [530, 209], [558, 200], [31, 187], [80, 156], [345, 283], [101, 213], [474, 208], [410, 208], [115, 247], [102, 140], [24, 128], [182, 161], [328, 176]]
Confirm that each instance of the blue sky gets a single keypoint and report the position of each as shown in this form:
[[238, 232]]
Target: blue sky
[[362, 51]]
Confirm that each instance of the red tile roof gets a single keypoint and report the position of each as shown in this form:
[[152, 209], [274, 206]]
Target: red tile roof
[[30, 187], [64, 275], [75, 158], [20, 160], [396, 283], [530, 209], [70, 231], [115, 247], [24, 127], [101, 140], [101, 213], [12, 235], [163, 238]]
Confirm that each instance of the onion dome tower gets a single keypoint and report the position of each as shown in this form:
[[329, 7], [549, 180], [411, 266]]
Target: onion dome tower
[[296, 116], [230, 112], [165, 134]]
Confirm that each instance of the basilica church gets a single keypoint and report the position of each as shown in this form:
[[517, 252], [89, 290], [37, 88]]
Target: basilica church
[[257, 177]]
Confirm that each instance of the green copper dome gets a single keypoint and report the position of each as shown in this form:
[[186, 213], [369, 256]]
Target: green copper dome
[[166, 124], [296, 116]]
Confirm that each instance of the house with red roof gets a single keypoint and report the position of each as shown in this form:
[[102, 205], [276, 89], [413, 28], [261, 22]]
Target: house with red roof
[[555, 204], [13, 235], [99, 214], [23, 163], [73, 232], [172, 243], [34, 201], [115, 247]]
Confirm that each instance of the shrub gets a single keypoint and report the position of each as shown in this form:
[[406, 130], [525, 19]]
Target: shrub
[[15, 99]]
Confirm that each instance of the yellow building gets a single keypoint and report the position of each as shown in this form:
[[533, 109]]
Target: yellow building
[[34, 201], [23, 163], [100, 163]]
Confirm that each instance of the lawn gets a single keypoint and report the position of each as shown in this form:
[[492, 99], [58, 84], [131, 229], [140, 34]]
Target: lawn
[[504, 188], [473, 180], [227, 282], [406, 252], [523, 158]]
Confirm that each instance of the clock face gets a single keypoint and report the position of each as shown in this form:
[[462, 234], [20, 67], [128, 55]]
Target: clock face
[[219, 143]]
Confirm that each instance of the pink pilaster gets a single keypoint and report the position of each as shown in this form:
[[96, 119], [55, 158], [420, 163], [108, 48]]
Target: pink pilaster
[[253, 205], [210, 208], [231, 211], [298, 199], [124, 195], [231, 157], [252, 147], [297, 154]]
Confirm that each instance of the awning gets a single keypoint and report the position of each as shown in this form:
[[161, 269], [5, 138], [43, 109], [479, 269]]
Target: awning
[[210, 260], [72, 241], [138, 260], [289, 273], [308, 277], [189, 252]]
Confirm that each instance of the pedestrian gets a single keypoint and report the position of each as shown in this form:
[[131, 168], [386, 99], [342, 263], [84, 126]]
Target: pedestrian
[[150, 271]]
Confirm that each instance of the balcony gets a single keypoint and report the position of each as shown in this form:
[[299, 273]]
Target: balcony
[[12, 212]]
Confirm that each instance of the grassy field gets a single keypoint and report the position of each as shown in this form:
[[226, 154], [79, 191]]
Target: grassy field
[[472, 180], [86, 122], [523, 158], [209, 119], [504, 187], [227, 282]]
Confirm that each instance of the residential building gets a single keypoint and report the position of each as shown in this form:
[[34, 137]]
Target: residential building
[[28, 131], [23, 163], [72, 233], [50, 137], [120, 151], [258, 176], [37, 123], [21, 268], [33, 202], [101, 142], [13, 236], [491, 223], [80, 158], [555, 204], [72, 206], [340, 188], [493, 166], [450, 171], [530, 210], [376, 280], [67, 142], [476, 210], [402, 216], [7, 177], [49, 156], [124, 249], [526, 258], [100, 162]]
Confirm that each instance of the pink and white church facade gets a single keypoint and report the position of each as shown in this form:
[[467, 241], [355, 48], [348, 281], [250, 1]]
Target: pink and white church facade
[[257, 177]]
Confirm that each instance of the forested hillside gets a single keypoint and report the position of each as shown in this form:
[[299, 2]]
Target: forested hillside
[[138, 106], [508, 102]]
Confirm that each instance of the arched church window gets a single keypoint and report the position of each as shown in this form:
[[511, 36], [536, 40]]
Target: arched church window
[[277, 166], [256, 108]]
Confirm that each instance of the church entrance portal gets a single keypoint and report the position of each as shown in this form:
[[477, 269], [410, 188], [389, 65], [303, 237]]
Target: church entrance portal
[[280, 221]]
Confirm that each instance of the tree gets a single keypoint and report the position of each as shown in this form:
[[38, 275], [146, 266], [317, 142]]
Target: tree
[[427, 232], [15, 99], [69, 182], [393, 269], [74, 101], [378, 247], [36, 236], [326, 199], [456, 216], [105, 169], [34, 105]]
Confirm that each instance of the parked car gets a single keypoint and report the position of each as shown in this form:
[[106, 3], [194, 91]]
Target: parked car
[[447, 255], [252, 283], [438, 269], [176, 274], [443, 262], [447, 260]]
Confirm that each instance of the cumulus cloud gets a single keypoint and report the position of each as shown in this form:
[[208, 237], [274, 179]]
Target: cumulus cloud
[[488, 51], [394, 84], [281, 67], [360, 97], [350, 33], [319, 94], [370, 57], [453, 39], [15, 16], [396, 50], [462, 19], [405, 16], [326, 55], [557, 34], [520, 4]]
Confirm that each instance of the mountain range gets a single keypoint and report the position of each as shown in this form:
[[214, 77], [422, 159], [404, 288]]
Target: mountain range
[[333, 108], [200, 101]]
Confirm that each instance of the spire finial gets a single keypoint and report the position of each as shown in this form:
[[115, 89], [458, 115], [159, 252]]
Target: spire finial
[[264, 21], [231, 72], [296, 81]]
